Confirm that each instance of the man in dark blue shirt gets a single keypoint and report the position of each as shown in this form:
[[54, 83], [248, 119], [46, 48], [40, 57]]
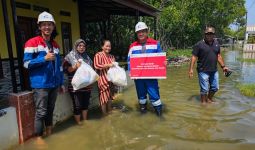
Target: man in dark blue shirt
[[207, 53]]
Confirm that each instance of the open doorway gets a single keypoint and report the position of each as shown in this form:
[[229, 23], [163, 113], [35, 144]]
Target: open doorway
[[27, 28], [66, 37]]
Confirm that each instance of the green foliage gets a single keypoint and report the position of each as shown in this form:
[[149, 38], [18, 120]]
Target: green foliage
[[229, 32], [247, 89], [119, 30], [181, 23], [179, 53], [240, 34], [251, 40]]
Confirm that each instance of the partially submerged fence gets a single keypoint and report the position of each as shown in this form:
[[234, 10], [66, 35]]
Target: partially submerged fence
[[249, 51], [249, 48]]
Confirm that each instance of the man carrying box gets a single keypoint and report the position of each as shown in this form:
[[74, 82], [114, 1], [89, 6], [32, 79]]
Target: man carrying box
[[143, 45]]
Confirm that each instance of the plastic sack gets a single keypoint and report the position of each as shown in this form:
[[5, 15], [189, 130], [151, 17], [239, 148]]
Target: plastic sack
[[117, 75], [84, 76]]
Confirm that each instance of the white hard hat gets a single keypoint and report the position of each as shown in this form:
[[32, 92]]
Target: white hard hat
[[45, 16], [140, 26]]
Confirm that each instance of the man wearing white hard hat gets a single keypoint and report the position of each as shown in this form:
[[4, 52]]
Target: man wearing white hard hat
[[144, 44], [42, 59]]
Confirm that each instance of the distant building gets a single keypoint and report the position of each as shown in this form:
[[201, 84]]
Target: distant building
[[250, 34]]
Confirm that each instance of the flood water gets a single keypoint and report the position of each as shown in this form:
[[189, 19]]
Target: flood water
[[227, 125]]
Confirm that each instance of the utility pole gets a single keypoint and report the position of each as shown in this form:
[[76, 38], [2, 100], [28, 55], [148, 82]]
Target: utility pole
[[246, 18]]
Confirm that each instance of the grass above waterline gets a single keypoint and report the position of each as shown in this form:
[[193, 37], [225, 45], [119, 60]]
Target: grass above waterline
[[247, 89], [179, 53], [245, 60]]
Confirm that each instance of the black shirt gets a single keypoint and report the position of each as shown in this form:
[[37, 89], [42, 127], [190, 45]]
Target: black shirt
[[207, 55]]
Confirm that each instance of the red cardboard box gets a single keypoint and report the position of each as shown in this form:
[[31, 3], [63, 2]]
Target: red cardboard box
[[148, 66]]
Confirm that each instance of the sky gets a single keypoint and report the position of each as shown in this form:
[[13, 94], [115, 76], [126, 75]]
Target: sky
[[250, 6]]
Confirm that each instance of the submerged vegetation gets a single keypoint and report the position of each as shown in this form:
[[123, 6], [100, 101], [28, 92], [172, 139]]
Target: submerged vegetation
[[245, 60]]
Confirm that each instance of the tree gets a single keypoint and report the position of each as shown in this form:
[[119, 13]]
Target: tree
[[181, 23]]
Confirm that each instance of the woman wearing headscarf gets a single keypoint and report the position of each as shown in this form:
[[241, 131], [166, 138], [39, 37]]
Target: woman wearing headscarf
[[79, 97]]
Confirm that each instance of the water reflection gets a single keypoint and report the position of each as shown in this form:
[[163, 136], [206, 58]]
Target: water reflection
[[229, 124], [249, 55], [248, 68]]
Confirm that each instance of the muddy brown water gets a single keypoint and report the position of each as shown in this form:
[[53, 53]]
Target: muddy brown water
[[227, 125]]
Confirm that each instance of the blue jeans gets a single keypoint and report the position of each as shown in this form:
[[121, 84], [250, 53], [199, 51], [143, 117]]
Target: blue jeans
[[208, 81]]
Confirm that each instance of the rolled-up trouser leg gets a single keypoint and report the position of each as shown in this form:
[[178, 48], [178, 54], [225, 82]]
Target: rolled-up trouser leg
[[203, 82], [214, 82]]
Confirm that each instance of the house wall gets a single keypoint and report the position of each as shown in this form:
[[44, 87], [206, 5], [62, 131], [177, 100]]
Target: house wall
[[54, 7], [9, 134]]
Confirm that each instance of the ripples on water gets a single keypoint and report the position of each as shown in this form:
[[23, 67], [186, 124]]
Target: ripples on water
[[227, 125]]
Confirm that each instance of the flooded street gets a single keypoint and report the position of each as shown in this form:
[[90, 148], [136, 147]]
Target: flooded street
[[227, 125]]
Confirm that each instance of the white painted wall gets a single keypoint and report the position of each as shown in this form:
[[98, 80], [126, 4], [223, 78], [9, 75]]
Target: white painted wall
[[64, 106], [9, 134]]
